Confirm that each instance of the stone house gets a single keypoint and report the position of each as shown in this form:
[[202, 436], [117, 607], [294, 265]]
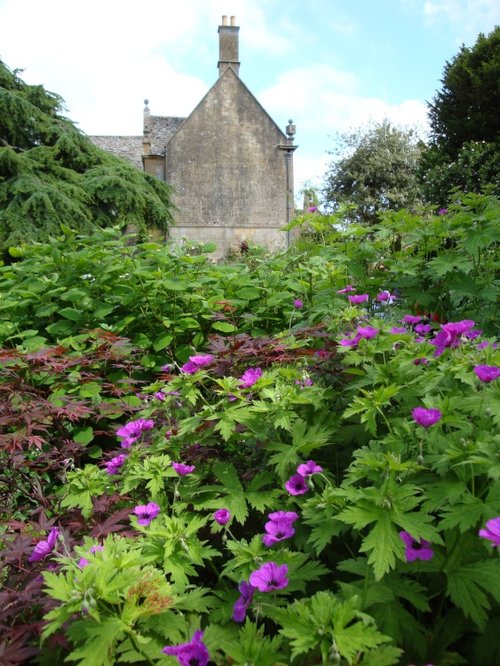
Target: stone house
[[229, 163]]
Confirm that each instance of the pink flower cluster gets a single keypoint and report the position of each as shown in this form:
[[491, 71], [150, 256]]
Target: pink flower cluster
[[451, 335], [196, 362], [366, 332], [279, 527], [131, 432], [297, 484]]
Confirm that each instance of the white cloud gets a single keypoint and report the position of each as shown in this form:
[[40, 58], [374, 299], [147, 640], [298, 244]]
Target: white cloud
[[468, 16]]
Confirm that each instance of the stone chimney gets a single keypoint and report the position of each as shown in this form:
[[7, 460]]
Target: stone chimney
[[228, 46]]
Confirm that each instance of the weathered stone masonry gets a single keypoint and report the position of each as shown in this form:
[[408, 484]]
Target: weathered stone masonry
[[230, 165]]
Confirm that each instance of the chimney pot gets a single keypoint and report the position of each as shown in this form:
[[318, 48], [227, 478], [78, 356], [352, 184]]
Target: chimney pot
[[224, 20], [233, 21]]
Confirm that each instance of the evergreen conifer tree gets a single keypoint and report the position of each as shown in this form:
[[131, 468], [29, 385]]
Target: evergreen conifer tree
[[52, 176]]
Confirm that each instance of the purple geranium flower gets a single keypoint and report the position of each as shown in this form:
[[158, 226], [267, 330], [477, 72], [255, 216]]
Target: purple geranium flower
[[411, 319], [182, 469], [308, 468], [346, 289], [249, 377], [82, 562], [270, 576], [395, 330], [350, 342], [222, 516], [196, 362], [423, 329], [159, 395], [426, 417], [367, 332], [279, 527], [487, 373], [416, 550], [450, 334], [194, 653], [298, 304], [492, 531], [146, 512], [385, 297], [358, 298], [113, 466], [43, 548], [243, 602], [297, 485], [130, 432]]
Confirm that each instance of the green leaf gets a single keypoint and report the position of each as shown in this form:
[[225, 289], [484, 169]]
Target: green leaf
[[224, 327], [162, 341], [71, 313], [83, 435], [174, 285]]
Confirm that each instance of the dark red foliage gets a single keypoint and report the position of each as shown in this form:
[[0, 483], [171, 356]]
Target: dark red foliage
[[36, 449], [233, 353]]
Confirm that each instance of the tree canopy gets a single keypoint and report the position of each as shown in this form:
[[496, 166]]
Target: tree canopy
[[464, 151], [52, 176], [375, 169]]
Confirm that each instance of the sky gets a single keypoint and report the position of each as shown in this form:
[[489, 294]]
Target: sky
[[330, 65]]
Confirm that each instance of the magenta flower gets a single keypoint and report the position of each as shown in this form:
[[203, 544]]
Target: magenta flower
[[222, 516], [492, 531], [385, 297], [43, 548], [442, 211], [290, 516], [358, 298], [196, 362], [350, 342], [270, 576], [312, 209], [113, 466], [249, 377], [423, 329], [426, 417], [367, 332], [131, 432], [182, 469], [83, 562], [243, 602], [347, 289], [411, 319], [297, 485], [395, 330], [279, 527], [159, 395], [308, 468], [487, 373], [416, 550], [307, 381], [298, 304], [194, 653], [146, 512], [450, 335]]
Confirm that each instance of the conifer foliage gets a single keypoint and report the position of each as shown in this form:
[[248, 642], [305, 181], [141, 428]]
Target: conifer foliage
[[52, 176]]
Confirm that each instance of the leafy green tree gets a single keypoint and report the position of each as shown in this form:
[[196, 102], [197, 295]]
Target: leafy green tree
[[52, 176], [464, 151], [375, 169]]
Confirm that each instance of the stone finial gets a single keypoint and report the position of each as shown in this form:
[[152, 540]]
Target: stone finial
[[290, 129]]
